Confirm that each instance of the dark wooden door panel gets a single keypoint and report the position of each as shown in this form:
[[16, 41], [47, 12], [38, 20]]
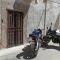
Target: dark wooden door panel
[[15, 28]]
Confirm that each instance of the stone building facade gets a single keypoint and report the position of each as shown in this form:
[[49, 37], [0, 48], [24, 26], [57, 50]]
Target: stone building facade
[[31, 14]]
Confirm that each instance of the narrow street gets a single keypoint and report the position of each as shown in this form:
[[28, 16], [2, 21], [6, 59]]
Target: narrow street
[[23, 52]]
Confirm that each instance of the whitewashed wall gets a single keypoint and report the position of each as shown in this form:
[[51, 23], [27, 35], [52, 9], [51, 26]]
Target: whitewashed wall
[[35, 12]]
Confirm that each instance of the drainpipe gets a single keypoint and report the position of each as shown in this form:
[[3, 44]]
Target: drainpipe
[[45, 2]]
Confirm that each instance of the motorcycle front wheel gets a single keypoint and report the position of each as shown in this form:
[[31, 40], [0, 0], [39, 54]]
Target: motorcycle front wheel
[[34, 48]]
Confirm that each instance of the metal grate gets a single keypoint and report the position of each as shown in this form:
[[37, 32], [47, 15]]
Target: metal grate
[[15, 28]]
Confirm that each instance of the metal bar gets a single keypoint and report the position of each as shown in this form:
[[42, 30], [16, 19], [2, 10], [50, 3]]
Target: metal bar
[[13, 26]]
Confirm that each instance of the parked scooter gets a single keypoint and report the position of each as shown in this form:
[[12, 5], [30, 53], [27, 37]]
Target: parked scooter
[[35, 41]]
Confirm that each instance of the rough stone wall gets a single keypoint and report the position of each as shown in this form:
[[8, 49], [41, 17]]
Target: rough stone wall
[[18, 5], [0, 22], [3, 23]]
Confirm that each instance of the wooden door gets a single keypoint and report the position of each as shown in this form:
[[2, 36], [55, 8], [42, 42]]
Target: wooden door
[[15, 28]]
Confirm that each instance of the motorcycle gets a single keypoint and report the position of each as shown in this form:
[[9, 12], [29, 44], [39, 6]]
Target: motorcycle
[[53, 35], [35, 40]]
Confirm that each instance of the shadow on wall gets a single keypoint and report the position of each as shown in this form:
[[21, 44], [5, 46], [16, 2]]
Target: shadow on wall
[[22, 5]]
